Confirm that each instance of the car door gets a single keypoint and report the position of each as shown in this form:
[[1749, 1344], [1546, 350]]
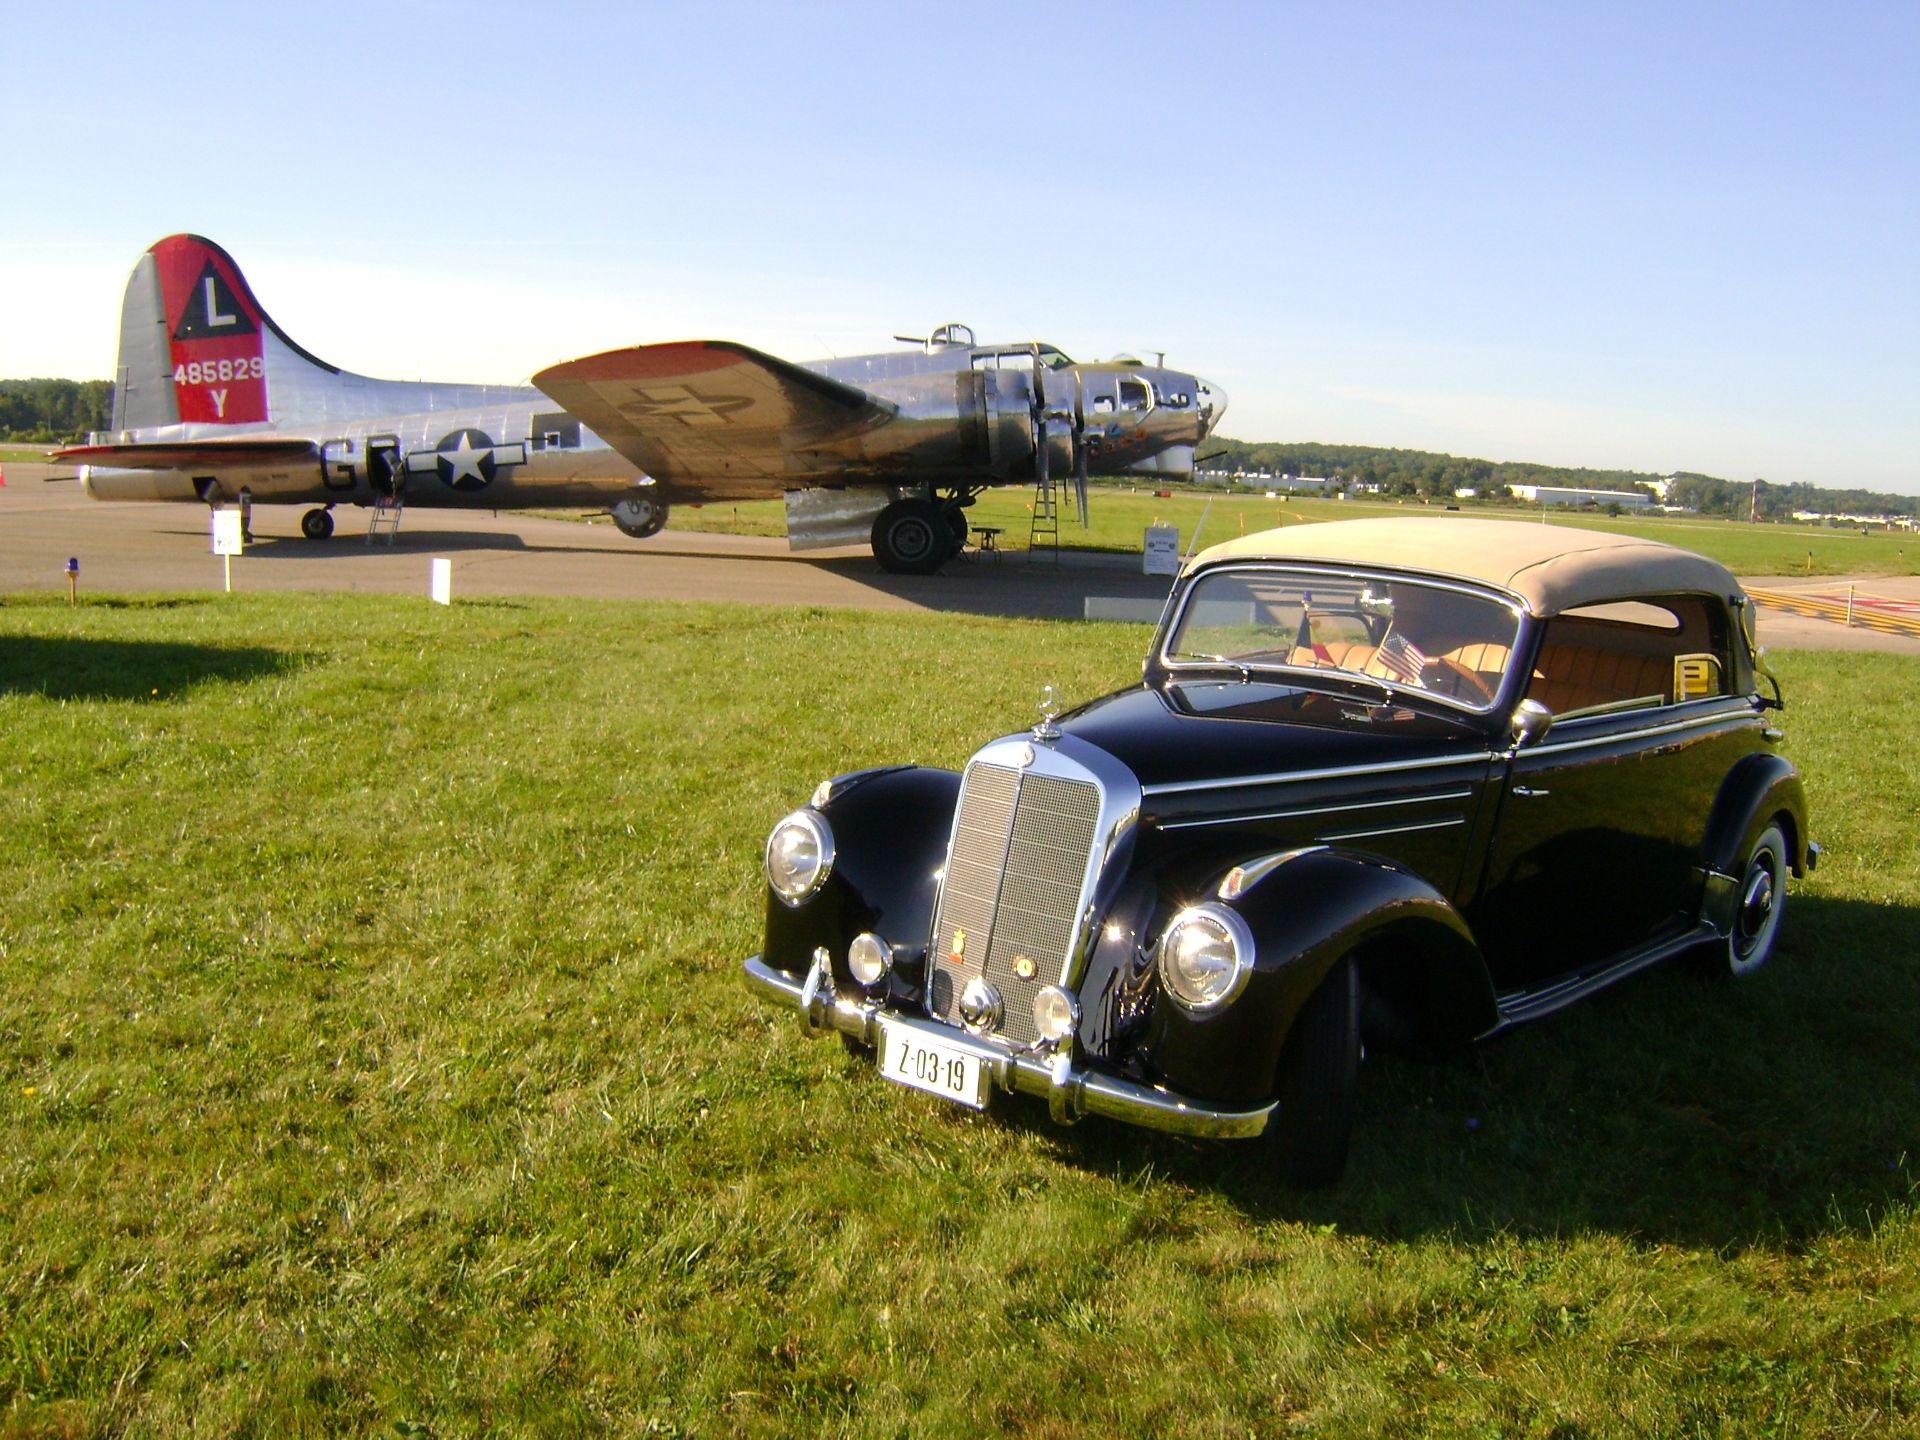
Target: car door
[[1595, 850]]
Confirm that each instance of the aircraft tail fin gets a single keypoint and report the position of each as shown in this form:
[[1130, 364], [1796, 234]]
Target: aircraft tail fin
[[197, 348]]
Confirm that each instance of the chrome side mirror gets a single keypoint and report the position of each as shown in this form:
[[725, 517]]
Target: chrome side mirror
[[1531, 721]]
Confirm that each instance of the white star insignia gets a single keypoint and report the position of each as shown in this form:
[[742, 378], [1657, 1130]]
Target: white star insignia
[[465, 460]]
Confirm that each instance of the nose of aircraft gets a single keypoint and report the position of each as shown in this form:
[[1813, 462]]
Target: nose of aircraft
[[1213, 404]]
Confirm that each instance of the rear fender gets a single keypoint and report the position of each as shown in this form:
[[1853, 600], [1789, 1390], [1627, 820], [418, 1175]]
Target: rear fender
[[890, 831], [1759, 787], [1308, 909]]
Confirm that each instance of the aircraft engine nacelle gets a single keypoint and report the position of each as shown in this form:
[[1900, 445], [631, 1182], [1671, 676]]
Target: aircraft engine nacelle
[[1000, 425], [996, 421]]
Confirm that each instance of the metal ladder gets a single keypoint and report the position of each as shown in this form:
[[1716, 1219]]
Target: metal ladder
[[1044, 533], [385, 519]]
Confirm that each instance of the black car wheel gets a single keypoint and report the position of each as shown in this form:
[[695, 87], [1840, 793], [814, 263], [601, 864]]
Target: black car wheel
[[1315, 1084], [911, 537], [1761, 902]]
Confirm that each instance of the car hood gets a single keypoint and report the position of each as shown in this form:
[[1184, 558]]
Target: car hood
[[1196, 733]]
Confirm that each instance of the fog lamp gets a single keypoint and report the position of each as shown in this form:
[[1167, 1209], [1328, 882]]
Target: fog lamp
[[1205, 957], [1056, 1014], [869, 958], [799, 856]]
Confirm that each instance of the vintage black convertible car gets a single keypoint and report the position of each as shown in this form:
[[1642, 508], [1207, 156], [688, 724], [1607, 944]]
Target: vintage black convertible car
[[1384, 782]]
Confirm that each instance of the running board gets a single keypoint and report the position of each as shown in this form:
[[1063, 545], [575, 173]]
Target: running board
[[1520, 1006]]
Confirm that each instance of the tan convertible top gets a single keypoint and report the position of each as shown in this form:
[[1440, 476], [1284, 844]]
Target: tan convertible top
[[1551, 567]]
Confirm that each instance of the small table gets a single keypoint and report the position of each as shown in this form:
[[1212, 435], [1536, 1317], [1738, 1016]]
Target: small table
[[989, 540]]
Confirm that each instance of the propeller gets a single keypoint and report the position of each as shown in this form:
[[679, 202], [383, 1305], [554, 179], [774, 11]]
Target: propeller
[[1043, 419]]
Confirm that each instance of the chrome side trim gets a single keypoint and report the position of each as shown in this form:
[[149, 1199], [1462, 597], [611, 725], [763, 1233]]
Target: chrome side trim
[[1449, 823], [1623, 737], [1071, 1091], [1308, 811], [1337, 772]]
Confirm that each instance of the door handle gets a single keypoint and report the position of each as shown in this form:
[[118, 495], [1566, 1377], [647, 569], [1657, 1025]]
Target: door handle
[[1528, 790]]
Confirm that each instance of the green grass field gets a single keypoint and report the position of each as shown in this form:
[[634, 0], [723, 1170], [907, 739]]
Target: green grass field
[[375, 1062], [1119, 516]]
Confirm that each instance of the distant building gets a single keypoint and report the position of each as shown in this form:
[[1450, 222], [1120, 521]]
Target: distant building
[[1580, 495]]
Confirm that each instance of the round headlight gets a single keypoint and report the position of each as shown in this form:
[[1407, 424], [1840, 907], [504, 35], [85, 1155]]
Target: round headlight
[[1205, 957], [869, 958], [799, 856], [1056, 1014]]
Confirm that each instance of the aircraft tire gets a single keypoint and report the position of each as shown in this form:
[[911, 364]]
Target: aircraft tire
[[639, 516], [911, 537], [956, 519], [317, 524]]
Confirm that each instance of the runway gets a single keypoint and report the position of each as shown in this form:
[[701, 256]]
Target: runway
[[131, 548]]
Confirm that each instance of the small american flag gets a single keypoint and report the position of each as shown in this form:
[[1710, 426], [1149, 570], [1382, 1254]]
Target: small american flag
[[1401, 658]]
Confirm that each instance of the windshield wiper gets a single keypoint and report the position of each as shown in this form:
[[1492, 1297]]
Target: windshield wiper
[[1244, 671]]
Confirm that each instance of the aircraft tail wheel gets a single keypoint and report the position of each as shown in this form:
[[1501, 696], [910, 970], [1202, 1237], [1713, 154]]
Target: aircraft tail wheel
[[317, 524], [912, 537]]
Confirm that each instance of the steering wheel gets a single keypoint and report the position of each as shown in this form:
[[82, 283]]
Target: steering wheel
[[1466, 683]]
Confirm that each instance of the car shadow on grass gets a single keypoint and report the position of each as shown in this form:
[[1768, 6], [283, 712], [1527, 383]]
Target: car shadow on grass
[[74, 668], [1672, 1108]]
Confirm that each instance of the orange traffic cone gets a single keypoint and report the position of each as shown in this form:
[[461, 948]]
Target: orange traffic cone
[[3, 476]]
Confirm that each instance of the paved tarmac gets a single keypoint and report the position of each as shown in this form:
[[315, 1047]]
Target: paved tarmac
[[124, 548]]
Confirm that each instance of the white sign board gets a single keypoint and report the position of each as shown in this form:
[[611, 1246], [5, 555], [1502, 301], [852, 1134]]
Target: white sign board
[[1162, 551], [440, 582], [229, 533]]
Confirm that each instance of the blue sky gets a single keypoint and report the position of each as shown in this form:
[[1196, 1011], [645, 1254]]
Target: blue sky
[[1660, 237]]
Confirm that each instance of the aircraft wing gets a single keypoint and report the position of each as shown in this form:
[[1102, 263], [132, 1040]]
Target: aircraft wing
[[703, 409], [191, 454]]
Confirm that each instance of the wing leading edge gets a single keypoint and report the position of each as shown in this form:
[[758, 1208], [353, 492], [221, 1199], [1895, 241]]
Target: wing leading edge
[[696, 410]]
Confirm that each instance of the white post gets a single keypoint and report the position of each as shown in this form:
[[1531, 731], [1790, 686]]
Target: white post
[[440, 585], [1850, 590]]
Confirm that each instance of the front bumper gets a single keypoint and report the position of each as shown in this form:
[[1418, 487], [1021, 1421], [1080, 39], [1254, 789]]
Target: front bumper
[[1071, 1091]]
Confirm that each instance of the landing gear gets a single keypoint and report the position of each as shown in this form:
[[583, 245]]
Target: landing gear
[[639, 515], [957, 524], [317, 524], [913, 537]]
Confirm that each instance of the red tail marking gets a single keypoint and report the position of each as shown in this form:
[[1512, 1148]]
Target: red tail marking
[[214, 333]]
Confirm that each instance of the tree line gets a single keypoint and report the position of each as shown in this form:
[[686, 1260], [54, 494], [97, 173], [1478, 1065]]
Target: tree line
[[54, 410], [1433, 475]]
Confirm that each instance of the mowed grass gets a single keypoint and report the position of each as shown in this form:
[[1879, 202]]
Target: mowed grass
[[374, 1060], [1118, 517]]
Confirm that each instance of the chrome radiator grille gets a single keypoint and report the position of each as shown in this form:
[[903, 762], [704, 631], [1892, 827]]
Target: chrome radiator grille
[[1015, 889]]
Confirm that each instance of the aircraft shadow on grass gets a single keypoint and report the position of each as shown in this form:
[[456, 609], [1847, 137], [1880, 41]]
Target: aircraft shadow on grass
[[1671, 1108], [65, 668]]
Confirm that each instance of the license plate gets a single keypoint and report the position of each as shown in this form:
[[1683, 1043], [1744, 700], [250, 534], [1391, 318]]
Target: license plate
[[910, 1058]]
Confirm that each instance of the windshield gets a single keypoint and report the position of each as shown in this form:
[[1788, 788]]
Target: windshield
[[1409, 636]]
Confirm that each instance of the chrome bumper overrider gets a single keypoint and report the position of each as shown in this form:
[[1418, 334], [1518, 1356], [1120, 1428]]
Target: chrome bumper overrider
[[1070, 1091]]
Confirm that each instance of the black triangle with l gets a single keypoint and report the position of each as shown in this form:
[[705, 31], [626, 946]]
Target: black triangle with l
[[212, 310]]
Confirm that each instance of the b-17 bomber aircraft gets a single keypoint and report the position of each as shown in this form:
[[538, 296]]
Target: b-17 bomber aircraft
[[215, 404]]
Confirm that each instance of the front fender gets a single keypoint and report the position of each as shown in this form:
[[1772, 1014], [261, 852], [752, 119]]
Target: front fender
[[890, 831], [1309, 910]]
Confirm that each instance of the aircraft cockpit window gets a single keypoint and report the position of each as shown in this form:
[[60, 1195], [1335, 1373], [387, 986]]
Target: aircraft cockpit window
[[1103, 404], [1171, 398], [1134, 395]]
